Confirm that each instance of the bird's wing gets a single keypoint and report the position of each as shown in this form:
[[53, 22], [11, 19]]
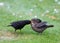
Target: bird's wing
[[42, 24]]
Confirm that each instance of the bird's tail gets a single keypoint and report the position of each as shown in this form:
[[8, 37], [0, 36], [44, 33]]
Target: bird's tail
[[50, 26]]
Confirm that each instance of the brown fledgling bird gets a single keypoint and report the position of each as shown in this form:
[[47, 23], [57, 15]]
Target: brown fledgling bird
[[39, 26]]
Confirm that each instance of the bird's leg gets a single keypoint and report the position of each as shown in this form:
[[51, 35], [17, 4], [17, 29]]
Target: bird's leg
[[20, 31], [40, 33], [15, 30]]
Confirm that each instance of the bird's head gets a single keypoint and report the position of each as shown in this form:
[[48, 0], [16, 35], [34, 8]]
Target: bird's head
[[27, 21], [35, 20]]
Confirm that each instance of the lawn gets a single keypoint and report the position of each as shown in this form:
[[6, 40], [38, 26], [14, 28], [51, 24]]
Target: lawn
[[14, 10]]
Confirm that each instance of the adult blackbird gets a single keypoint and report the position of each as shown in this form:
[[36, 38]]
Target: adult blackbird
[[19, 24]]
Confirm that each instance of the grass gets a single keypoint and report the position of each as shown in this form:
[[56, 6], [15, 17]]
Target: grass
[[14, 10]]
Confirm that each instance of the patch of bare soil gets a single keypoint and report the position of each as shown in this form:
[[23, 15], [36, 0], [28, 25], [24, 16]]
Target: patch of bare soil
[[6, 35]]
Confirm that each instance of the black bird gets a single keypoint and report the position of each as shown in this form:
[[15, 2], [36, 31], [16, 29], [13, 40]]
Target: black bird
[[39, 26], [19, 24]]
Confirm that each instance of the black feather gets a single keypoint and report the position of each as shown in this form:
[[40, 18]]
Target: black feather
[[19, 24]]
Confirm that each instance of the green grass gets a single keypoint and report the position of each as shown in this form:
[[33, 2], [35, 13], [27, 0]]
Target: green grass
[[27, 35]]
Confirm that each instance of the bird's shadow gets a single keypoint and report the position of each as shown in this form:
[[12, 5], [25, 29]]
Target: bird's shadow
[[24, 32], [17, 33]]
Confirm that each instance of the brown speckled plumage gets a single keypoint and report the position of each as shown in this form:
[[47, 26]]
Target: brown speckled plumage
[[39, 26]]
